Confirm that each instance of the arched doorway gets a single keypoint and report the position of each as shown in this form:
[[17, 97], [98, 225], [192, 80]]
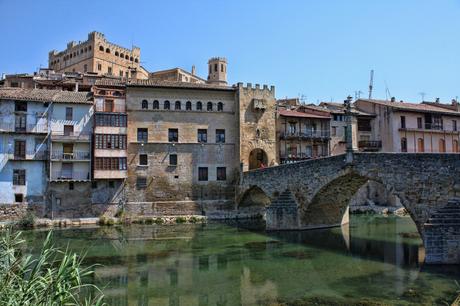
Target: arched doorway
[[257, 159], [420, 145]]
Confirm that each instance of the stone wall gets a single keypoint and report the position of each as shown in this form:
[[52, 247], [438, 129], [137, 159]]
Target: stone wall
[[13, 212]]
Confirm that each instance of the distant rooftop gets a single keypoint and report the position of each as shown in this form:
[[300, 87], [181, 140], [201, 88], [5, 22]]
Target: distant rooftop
[[415, 107], [45, 95]]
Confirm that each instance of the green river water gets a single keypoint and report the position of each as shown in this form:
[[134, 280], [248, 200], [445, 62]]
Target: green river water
[[375, 261]]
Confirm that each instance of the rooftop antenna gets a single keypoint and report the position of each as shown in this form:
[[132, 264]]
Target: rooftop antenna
[[358, 94], [387, 91], [422, 94], [303, 99], [371, 84]]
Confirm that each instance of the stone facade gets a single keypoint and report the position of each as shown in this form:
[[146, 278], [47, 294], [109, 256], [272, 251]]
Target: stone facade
[[100, 56]]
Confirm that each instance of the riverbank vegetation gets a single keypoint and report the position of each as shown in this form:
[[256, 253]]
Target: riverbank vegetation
[[53, 277]]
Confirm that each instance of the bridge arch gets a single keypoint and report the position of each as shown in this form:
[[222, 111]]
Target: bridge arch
[[254, 197]]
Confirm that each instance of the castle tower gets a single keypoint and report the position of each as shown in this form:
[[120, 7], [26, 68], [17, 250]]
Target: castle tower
[[217, 71]]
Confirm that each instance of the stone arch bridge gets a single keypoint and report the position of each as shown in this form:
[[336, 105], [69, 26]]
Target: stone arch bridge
[[316, 193]]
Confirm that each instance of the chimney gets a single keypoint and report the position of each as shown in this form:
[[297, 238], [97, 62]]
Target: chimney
[[193, 70], [393, 99], [437, 100]]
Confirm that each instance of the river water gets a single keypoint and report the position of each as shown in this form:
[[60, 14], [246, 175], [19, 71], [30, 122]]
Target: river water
[[375, 261]]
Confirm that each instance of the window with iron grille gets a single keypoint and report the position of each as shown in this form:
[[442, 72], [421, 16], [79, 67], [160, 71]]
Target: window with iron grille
[[203, 173], [141, 182], [173, 159], [110, 163], [19, 177], [202, 135], [173, 135], [221, 173], [19, 149], [143, 160], [220, 136], [142, 135]]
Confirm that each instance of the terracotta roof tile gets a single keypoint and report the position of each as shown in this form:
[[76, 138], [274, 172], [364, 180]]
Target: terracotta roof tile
[[294, 113], [172, 84], [413, 107], [45, 95]]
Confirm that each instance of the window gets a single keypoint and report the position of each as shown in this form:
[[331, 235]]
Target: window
[[110, 141], [334, 131], [454, 125], [118, 120], [188, 105], [199, 106], [116, 53], [101, 48], [99, 67], [109, 70], [403, 122], [202, 135], [111, 184], [173, 135], [221, 67], [142, 135], [121, 73], [18, 197], [364, 125], [156, 104], [202, 173], [68, 130], [19, 177], [141, 182], [143, 160], [94, 184], [420, 145], [220, 136], [419, 123], [215, 67], [173, 159], [20, 123], [108, 105], [455, 146], [110, 163], [19, 149], [166, 105], [85, 68], [403, 144], [68, 113], [20, 106], [220, 107], [107, 50], [71, 186], [122, 55], [177, 105], [145, 104], [221, 173], [209, 106]]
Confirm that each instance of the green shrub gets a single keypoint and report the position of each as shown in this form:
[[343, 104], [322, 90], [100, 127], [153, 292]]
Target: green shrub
[[110, 222], [181, 220], [27, 221], [53, 277], [103, 220], [193, 219], [149, 221], [159, 221]]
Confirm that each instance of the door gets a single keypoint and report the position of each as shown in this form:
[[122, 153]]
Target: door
[[67, 149], [68, 130], [66, 170]]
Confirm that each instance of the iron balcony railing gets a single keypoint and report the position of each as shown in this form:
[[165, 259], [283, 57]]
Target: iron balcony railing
[[75, 135], [428, 126], [26, 128], [27, 155], [292, 158], [370, 144], [306, 134], [76, 155], [70, 175]]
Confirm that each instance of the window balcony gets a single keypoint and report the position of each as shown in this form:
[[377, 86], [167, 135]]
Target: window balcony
[[27, 155], [70, 175], [430, 128], [370, 145], [76, 155], [76, 136], [292, 158], [41, 128], [318, 134]]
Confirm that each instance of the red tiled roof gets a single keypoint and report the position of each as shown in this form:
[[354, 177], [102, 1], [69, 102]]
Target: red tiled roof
[[45, 95], [173, 84], [289, 113], [413, 107]]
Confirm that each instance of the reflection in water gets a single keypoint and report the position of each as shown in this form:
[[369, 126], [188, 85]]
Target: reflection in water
[[219, 264]]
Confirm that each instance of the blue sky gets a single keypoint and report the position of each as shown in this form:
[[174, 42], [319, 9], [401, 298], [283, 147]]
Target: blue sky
[[323, 50]]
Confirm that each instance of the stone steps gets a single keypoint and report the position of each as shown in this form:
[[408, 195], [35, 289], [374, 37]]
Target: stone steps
[[446, 217], [284, 199]]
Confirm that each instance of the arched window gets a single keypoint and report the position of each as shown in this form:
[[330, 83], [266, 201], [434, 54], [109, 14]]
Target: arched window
[[89, 48], [131, 58], [455, 146], [209, 106], [126, 57], [117, 93], [74, 54], [188, 105], [70, 55], [177, 105], [403, 144], [199, 106], [101, 48], [145, 104], [122, 55], [107, 50], [156, 104], [81, 51], [86, 49], [420, 145], [220, 106], [442, 145], [136, 60], [166, 105], [116, 53]]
